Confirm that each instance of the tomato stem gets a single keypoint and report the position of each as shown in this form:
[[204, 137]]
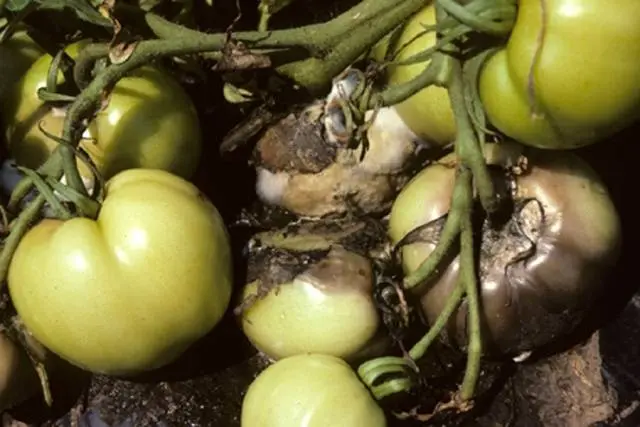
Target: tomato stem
[[494, 17], [19, 228], [469, 278], [446, 240]]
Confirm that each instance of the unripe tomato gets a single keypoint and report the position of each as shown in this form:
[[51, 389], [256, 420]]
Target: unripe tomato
[[149, 122], [307, 293], [541, 270], [428, 113], [586, 83], [16, 56], [310, 390], [18, 379], [133, 289]]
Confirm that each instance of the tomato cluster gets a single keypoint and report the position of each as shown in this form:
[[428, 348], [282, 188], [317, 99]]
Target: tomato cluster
[[132, 288], [129, 290]]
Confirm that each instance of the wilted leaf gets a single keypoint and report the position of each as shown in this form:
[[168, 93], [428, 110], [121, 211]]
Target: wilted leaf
[[85, 10], [236, 95]]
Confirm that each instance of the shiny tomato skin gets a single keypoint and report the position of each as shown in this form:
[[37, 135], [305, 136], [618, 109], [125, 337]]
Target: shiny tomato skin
[[586, 83], [133, 289], [149, 122], [428, 113], [16, 56], [310, 390]]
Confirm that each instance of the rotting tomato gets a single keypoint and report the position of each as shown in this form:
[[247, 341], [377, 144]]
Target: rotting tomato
[[16, 56], [18, 379], [428, 113], [540, 270], [584, 77], [311, 290], [307, 164], [311, 390], [133, 289], [149, 122]]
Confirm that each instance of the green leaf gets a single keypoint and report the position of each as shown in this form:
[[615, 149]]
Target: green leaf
[[83, 8], [17, 5]]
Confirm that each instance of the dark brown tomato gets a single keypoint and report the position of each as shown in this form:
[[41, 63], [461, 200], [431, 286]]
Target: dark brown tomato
[[540, 270]]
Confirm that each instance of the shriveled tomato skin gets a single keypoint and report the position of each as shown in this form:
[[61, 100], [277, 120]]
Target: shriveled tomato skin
[[133, 289], [541, 276], [569, 80]]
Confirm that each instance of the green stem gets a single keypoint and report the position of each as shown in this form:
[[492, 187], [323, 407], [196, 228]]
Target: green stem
[[472, 15], [85, 61], [19, 228], [51, 167], [467, 143], [395, 94], [421, 347], [446, 239], [61, 211], [469, 278], [357, 36]]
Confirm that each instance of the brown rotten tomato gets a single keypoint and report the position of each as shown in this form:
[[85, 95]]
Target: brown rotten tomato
[[540, 269], [307, 165]]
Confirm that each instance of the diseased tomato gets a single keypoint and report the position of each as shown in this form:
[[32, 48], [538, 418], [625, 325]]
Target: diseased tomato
[[16, 56], [540, 270], [304, 166], [133, 289], [428, 113], [149, 122], [18, 379], [586, 83], [310, 291], [310, 390]]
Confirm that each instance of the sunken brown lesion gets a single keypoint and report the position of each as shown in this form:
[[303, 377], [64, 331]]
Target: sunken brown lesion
[[296, 144]]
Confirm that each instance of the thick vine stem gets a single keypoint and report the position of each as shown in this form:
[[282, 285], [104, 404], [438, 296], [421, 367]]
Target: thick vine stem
[[316, 74], [482, 15], [446, 240], [357, 30], [18, 229], [469, 278], [384, 15], [467, 144]]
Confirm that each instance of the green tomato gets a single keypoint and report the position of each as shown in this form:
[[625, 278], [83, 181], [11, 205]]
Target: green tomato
[[427, 113], [541, 270], [310, 390], [131, 290], [16, 56], [148, 122], [586, 83], [327, 308]]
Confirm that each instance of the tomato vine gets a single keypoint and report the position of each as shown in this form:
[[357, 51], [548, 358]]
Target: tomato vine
[[330, 48]]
